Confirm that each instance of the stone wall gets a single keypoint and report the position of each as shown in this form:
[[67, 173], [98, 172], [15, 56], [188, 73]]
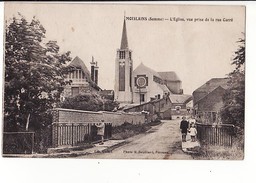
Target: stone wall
[[61, 115]]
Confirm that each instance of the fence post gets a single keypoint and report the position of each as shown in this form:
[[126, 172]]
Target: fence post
[[55, 135], [72, 134]]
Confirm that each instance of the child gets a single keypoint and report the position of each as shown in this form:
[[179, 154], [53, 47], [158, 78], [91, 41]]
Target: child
[[184, 128], [193, 132]]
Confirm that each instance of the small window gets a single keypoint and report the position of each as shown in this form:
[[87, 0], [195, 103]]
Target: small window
[[177, 108], [142, 97], [74, 91]]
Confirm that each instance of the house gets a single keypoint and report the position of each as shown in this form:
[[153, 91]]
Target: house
[[182, 105], [208, 100], [81, 80], [153, 109]]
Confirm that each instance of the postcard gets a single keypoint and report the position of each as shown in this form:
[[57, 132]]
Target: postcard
[[124, 81]]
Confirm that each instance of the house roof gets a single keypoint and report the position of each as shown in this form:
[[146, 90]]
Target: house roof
[[212, 84], [78, 63], [169, 76], [130, 106], [219, 87], [180, 99]]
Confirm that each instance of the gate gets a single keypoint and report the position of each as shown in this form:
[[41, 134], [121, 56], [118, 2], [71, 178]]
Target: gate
[[221, 135]]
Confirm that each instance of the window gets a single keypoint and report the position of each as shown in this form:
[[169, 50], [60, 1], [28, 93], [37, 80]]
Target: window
[[122, 55], [142, 97], [130, 55], [178, 108], [158, 96], [79, 74], [74, 91]]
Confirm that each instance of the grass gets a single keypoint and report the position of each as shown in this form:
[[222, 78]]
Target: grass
[[210, 152], [127, 130]]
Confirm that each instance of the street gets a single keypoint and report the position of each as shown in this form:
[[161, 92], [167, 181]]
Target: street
[[160, 142]]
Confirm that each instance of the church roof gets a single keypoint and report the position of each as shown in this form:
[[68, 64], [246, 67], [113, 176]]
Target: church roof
[[142, 68], [124, 40], [164, 88], [169, 76]]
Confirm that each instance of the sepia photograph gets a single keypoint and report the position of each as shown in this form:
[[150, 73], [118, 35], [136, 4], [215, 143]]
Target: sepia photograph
[[124, 81]]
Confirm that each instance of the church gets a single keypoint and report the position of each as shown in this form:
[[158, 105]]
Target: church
[[142, 84]]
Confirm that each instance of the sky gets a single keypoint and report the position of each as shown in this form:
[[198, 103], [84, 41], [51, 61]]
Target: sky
[[196, 50]]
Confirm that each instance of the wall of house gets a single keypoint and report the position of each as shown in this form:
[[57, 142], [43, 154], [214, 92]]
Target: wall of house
[[161, 107], [61, 115], [197, 95], [213, 101], [209, 107], [166, 114], [149, 91]]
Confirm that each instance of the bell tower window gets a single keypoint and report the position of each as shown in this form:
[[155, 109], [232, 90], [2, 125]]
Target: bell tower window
[[122, 55]]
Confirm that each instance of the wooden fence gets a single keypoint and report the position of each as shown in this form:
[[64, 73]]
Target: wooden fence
[[221, 135], [75, 133]]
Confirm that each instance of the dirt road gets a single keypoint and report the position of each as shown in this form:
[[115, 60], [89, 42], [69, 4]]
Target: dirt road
[[160, 142]]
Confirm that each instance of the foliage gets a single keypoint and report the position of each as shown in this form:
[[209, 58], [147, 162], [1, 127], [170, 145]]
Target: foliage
[[219, 153], [234, 98], [34, 73], [127, 130], [89, 102]]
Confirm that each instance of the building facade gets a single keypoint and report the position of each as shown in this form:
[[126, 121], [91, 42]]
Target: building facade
[[182, 105], [80, 78], [208, 100]]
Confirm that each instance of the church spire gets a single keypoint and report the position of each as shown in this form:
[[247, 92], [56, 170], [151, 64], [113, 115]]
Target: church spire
[[124, 41]]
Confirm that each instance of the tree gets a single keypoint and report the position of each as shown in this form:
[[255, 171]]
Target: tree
[[233, 110], [34, 73], [89, 102]]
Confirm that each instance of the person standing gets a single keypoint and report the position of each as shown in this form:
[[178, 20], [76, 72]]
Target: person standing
[[193, 132], [101, 130], [184, 124]]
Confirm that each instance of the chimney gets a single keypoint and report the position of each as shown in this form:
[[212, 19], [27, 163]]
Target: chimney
[[96, 72], [92, 69]]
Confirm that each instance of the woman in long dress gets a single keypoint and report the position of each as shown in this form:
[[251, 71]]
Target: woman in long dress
[[101, 130]]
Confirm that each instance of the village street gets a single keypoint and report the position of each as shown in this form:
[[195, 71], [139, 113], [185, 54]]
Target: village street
[[160, 142]]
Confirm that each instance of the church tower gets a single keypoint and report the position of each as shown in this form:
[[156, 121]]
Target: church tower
[[123, 70]]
